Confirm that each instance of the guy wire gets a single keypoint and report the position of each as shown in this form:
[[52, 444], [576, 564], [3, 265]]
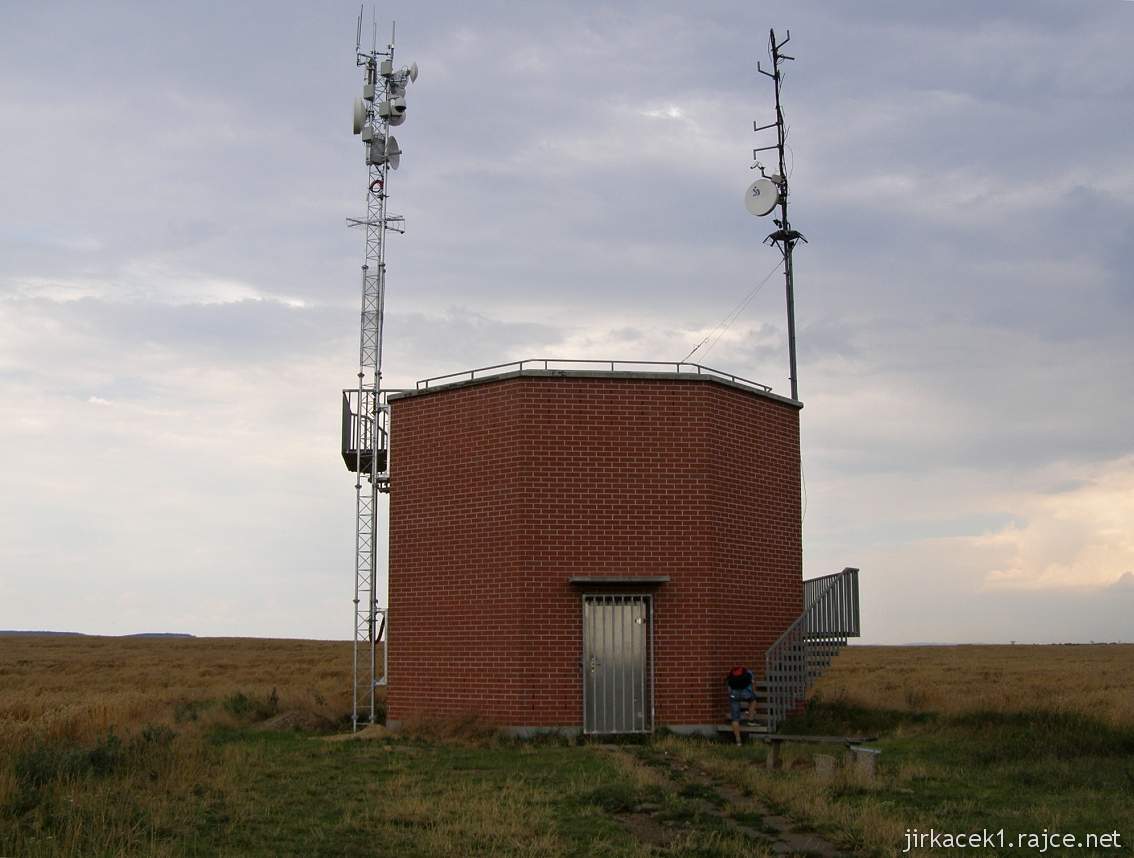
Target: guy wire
[[727, 321]]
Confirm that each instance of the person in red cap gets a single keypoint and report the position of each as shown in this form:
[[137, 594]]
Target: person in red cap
[[740, 691]]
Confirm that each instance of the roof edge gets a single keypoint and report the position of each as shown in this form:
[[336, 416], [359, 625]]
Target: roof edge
[[687, 377]]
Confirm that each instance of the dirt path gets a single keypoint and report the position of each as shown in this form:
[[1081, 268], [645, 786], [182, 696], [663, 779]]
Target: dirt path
[[745, 815]]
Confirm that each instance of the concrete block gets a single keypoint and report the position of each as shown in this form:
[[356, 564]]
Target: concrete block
[[864, 760], [825, 765]]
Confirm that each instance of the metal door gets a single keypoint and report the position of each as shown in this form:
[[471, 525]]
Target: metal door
[[617, 662]]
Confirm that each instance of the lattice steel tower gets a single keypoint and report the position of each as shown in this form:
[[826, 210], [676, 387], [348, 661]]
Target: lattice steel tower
[[365, 415]]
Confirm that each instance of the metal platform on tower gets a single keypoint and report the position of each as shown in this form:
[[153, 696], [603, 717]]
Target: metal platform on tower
[[364, 434]]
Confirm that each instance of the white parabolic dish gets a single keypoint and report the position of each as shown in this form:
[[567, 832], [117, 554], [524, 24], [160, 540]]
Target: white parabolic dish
[[761, 197]]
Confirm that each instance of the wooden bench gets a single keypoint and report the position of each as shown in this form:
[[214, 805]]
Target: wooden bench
[[864, 757], [851, 743]]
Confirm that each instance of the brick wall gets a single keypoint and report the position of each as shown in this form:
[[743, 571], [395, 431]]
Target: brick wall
[[501, 491]]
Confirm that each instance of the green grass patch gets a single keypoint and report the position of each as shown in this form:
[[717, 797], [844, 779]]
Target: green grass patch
[[238, 790], [249, 792], [1021, 771], [752, 820], [188, 711], [702, 792], [623, 797], [691, 814], [249, 707]]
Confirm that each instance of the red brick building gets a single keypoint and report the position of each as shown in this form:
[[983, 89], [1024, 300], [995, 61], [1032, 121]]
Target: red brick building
[[589, 550]]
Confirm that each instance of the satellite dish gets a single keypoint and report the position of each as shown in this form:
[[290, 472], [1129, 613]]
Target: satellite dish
[[761, 197], [393, 152], [398, 119], [399, 105], [412, 72], [359, 115]]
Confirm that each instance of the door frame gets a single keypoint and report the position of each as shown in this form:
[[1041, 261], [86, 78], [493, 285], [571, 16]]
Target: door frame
[[647, 600]]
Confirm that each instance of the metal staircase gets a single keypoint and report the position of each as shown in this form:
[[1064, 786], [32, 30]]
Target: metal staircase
[[805, 649]]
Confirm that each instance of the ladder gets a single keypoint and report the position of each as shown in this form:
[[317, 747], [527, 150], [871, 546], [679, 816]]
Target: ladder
[[366, 453]]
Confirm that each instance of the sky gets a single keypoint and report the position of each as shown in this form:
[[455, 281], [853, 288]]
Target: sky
[[179, 290]]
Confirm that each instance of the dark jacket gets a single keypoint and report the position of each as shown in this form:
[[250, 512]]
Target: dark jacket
[[739, 683]]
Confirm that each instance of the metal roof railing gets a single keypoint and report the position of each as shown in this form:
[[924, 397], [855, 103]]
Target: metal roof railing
[[597, 366]]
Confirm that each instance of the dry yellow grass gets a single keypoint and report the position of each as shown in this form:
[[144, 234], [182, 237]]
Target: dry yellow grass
[[62, 696], [1094, 680], [76, 689]]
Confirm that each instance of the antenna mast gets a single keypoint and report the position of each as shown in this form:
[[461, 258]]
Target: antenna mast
[[784, 238], [365, 412]]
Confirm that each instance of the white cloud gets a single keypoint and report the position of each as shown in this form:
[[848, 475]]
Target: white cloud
[[670, 111], [1082, 537]]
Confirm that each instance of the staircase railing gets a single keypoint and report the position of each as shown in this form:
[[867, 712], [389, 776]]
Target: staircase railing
[[793, 663], [830, 604]]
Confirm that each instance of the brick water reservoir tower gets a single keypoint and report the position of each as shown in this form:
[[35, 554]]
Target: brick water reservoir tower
[[591, 546]]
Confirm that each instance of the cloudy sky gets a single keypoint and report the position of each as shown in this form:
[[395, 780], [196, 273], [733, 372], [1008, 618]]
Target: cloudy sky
[[178, 290]]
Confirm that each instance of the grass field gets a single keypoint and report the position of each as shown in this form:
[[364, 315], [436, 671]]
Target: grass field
[[1096, 681], [180, 747]]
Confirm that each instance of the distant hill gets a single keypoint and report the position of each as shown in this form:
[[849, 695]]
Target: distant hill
[[23, 633]]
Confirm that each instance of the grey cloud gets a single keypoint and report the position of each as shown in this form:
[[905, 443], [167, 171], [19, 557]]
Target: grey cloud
[[461, 339], [962, 171], [251, 330]]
